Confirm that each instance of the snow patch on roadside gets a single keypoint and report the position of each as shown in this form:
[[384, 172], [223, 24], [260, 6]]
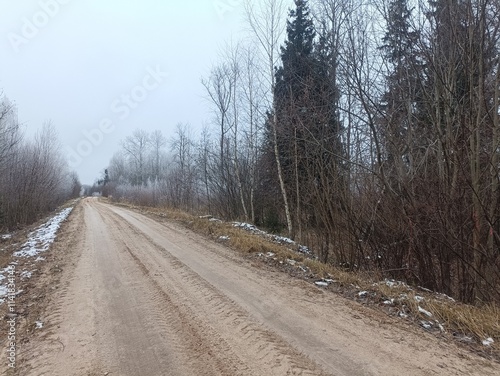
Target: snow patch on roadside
[[321, 283], [248, 227], [26, 274], [488, 341], [393, 283], [275, 238], [40, 239], [425, 312]]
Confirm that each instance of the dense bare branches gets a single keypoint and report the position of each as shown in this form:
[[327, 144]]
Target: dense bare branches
[[377, 144], [34, 176]]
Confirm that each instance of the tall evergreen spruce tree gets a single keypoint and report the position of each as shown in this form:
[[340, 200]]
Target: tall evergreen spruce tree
[[294, 86], [402, 100], [307, 122]]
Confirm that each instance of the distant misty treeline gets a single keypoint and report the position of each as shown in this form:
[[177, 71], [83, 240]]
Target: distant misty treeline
[[369, 131], [34, 177]]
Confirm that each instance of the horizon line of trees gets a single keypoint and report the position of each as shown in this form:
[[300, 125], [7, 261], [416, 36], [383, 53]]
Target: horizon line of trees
[[367, 131]]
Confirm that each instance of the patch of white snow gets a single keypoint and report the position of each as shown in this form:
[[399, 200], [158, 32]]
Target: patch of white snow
[[488, 341], [427, 313], [441, 327], [321, 283], [40, 239], [426, 324], [419, 298], [26, 274]]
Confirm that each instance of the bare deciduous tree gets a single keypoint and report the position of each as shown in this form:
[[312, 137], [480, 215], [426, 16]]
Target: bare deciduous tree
[[136, 148], [267, 24]]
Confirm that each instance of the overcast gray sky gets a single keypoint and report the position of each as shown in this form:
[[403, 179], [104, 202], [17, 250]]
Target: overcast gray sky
[[106, 67]]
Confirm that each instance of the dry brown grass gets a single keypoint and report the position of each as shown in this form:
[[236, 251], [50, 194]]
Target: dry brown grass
[[478, 323]]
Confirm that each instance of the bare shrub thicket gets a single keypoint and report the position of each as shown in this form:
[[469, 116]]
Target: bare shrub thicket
[[34, 177]]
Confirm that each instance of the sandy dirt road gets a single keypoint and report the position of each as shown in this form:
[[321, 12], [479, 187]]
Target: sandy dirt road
[[148, 298]]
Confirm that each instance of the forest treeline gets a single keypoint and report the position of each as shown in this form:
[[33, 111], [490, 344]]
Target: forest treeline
[[34, 176], [368, 131]]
